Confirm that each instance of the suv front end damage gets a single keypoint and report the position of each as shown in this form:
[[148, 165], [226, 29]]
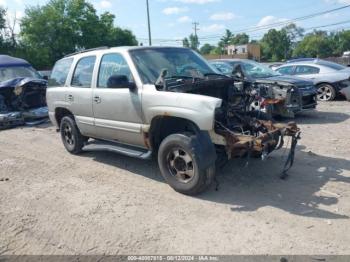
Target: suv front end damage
[[266, 138], [237, 129]]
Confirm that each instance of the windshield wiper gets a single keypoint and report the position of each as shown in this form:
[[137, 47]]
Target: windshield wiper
[[214, 74], [182, 77]]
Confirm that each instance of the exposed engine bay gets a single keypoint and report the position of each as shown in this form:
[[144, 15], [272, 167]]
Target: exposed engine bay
[[22, 100], [245, 132]]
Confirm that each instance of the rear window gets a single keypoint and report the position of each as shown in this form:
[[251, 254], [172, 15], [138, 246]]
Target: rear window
[[332, 65], [60, 72]]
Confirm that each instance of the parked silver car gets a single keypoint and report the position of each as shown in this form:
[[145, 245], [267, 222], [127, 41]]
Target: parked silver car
[[162, 101], [328, 77]]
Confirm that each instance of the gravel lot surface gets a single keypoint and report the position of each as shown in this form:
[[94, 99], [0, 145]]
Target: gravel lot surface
[[52, 202]]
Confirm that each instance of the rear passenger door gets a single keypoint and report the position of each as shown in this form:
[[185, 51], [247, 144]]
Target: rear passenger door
[[309, 72], [117, 111], [79, 95]]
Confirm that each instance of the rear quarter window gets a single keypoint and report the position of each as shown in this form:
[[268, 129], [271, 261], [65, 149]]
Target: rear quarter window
[[60, 72]]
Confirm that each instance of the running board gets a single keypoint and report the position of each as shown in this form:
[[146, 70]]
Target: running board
[[102, 145]]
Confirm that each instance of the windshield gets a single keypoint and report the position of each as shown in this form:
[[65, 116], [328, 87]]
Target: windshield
[[256, 70], [8, 73], [177, 61]]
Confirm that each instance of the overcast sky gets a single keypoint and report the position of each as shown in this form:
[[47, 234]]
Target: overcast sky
[[172, 20]]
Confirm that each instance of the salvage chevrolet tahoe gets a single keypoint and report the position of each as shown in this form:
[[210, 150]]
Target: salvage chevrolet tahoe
[[162, 101]]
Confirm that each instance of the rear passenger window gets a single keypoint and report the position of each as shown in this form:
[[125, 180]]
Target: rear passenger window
[[60, 72], [306, 70], [83, 72], [111, 65]]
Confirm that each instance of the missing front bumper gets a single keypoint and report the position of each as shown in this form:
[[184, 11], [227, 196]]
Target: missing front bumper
[[239, 145]]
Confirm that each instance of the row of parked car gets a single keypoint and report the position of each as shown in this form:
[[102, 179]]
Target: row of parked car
[[330, 79], [163, 101]]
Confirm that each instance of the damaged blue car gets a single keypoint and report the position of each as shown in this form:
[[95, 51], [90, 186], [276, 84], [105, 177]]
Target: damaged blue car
[[22, 93]]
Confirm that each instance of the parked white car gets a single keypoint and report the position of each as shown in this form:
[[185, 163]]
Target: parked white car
[[328, 77]]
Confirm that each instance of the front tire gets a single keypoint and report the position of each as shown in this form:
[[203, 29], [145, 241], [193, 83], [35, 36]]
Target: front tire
[[71, 137], [179, 165], [326, 92]]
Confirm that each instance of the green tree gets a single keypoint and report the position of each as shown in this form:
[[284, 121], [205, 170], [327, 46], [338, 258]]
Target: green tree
[[2, 28], [294, 32], [275, 45], [206, 49], [340, 42], [194, 42], [316, 44], [225, 39], [185, 42], [240, 39], [64, 26], [217, 51], [2, 18]]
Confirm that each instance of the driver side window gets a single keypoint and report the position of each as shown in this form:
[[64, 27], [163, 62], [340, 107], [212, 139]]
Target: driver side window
[[112, 65]]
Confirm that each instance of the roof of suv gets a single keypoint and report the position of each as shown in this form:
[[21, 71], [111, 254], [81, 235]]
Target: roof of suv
[[121, 48]]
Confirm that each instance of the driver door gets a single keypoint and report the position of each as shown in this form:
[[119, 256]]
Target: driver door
[[117, 111]]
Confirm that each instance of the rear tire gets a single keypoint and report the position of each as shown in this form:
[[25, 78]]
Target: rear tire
[[326, 92], [179, 165], [71, 137]]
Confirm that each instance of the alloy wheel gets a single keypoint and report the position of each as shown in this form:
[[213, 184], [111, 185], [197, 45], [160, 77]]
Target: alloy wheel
[[180, 165], [324, 93], [68, 135]]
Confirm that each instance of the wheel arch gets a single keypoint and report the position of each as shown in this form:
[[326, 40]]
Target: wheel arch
[[61, 112], [325, 83], [163, 126]]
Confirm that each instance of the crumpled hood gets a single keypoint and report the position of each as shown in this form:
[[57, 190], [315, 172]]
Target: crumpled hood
[[287, 80], [21, 81]]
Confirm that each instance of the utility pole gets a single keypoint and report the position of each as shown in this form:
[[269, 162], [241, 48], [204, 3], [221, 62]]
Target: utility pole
[[149, 25], [195, 28]]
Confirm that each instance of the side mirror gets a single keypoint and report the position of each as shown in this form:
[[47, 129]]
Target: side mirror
[[237, 73], [120, 81], [46, 78]]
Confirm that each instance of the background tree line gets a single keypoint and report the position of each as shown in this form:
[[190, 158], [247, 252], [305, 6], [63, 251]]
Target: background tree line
[[278, 45], [49, 32]]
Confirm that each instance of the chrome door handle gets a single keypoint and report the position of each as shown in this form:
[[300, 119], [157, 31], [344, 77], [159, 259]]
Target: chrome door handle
[[70, 98], [97, 99]]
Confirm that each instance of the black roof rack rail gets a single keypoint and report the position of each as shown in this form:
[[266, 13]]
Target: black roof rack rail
[[87, 50]]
